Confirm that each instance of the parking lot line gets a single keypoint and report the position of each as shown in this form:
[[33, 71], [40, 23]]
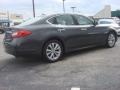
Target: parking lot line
[[75, 88]]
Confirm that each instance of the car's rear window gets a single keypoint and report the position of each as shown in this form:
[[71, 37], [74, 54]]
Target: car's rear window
[[32, 21], [29, 21]]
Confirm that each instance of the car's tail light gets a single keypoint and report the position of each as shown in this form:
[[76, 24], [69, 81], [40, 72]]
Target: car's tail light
[[21, 33]]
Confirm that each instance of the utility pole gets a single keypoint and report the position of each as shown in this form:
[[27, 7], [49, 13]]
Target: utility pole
[[73, 9], [8, 16], [64, 6], [33, 4]]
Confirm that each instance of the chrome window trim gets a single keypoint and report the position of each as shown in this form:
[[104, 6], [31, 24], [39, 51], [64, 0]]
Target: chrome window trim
[[66, 25]]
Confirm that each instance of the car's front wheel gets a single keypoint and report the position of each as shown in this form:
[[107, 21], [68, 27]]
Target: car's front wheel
[[53, 51], [111, 40]]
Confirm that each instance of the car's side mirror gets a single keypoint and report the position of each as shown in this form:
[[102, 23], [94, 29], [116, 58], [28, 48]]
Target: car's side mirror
[[95, 23]]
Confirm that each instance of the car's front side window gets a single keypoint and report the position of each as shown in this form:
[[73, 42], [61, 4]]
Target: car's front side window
[[83, 20], [62, 20]]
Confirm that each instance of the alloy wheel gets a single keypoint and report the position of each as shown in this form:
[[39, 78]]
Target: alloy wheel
[[53, 51], [111, 40]]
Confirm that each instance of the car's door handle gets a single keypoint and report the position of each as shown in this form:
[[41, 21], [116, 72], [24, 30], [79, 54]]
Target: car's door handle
[[61, 29], [83, 28]]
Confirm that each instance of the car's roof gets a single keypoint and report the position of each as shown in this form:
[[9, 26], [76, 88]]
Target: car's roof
[[65, 14]]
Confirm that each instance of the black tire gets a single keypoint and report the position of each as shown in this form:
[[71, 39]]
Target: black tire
[[1, 31], [114, 40], [46, 57]]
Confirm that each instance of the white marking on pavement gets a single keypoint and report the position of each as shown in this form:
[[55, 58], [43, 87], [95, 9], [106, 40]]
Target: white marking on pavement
[[75, 88]]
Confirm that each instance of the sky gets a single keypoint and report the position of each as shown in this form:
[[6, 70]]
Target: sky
[[85, 7]]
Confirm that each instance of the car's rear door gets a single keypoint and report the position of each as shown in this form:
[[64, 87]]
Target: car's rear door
[[74, 38], [67, 29]]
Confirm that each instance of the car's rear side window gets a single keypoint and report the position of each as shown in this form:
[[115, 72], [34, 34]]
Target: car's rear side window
[[62, 20]]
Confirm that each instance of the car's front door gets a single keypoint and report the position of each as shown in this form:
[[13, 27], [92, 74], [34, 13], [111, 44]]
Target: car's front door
[[92, 35]]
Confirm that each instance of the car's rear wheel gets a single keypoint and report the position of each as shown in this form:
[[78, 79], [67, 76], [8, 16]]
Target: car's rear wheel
[[111, 40], [53, 51]]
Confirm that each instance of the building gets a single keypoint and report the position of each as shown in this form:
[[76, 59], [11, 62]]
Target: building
[[4, 20], [104, 13]]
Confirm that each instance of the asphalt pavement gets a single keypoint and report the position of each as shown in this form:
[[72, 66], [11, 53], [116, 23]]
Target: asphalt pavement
[[91, 69]]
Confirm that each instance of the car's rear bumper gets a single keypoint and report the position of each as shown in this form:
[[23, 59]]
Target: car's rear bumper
[[9, 49], [13, 50]]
